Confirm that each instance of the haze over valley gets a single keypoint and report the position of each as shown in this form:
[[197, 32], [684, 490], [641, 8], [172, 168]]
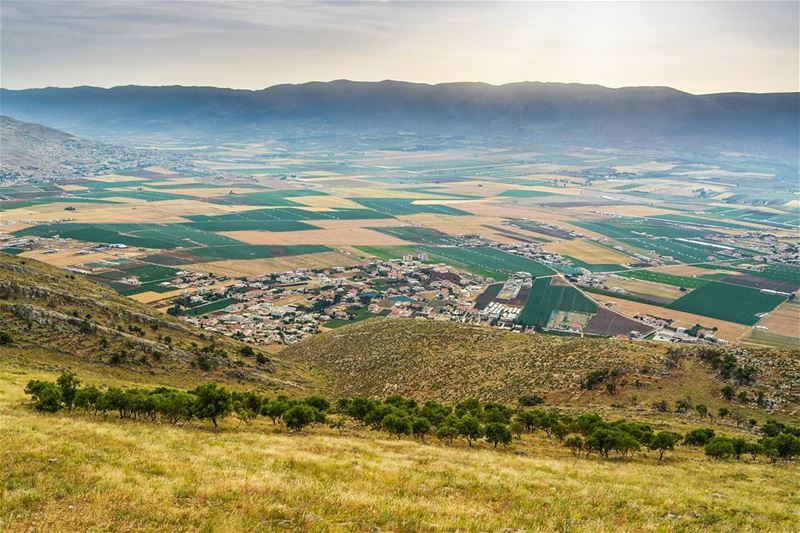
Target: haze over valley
[[282, 304]]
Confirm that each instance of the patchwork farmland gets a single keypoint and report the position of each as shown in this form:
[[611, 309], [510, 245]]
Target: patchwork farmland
[[639, 240]]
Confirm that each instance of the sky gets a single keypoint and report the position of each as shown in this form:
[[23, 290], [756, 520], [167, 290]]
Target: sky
[[699, 47]]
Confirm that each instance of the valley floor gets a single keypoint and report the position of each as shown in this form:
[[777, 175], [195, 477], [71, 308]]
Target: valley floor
[[78, 473]]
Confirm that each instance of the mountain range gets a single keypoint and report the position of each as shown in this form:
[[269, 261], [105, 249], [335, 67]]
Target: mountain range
[[529, 111]]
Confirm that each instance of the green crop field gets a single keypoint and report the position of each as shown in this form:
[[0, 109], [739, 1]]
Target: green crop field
[[147, 273], [545, 298], [636, 228], [18, 204], [523, 193], [248, 225], [152, 286], [362, 314], [416, 234], [754, 215], [607, 267], [264, 198], [289, 213], [782, 272], [666, 279], [406, 206], [680, 251], [209, 307], [159, 236], [486, 261], [99, 185], [724, 301], [703, 221], [387, 253]]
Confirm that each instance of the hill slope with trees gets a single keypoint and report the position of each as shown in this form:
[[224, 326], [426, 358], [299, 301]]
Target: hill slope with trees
[[449, 362], [52, 319]]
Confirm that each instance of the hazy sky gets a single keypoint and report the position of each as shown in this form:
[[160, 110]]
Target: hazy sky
[[693, 46]]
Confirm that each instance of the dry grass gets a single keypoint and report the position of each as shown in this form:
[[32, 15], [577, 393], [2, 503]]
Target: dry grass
[[256, 267], [645, 287], [645, 167], [68, 255], [112, 178], [204, 192], [635, 210], [688, 270], [72, 187], [477, 225], [785, 320], [587, 251], [129, 210], [77, 473]]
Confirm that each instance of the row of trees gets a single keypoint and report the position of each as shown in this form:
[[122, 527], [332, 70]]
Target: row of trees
[[471, 420]]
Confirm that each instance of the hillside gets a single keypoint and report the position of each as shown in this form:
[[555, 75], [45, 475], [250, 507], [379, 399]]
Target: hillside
[[549, 112], [78, 473], [59, 321], [449, 361], [30, 150], [77, 470]]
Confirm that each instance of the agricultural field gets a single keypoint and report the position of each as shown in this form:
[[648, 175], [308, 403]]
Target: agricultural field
[[732, 303], [488, 262], [633, 221], [548, 300], [415, 234], [589, 252], [209, 307], [405, 206], [784, 320], [665, 279]]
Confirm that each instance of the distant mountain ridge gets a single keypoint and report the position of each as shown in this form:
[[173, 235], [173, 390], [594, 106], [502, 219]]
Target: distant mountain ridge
[[535, 110]]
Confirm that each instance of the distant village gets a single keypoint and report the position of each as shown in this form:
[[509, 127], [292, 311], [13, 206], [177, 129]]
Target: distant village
[[285, 307]]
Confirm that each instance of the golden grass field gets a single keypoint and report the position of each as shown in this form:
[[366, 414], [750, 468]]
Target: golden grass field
[[784, 320], [331, 237], [77, 473], [257, 267], [688, 270], [635, 210], [587, 251], [645, 287], [68, 255], [128, 210]]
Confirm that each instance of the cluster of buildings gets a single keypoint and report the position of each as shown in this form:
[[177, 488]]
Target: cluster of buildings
[[283, 308]]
